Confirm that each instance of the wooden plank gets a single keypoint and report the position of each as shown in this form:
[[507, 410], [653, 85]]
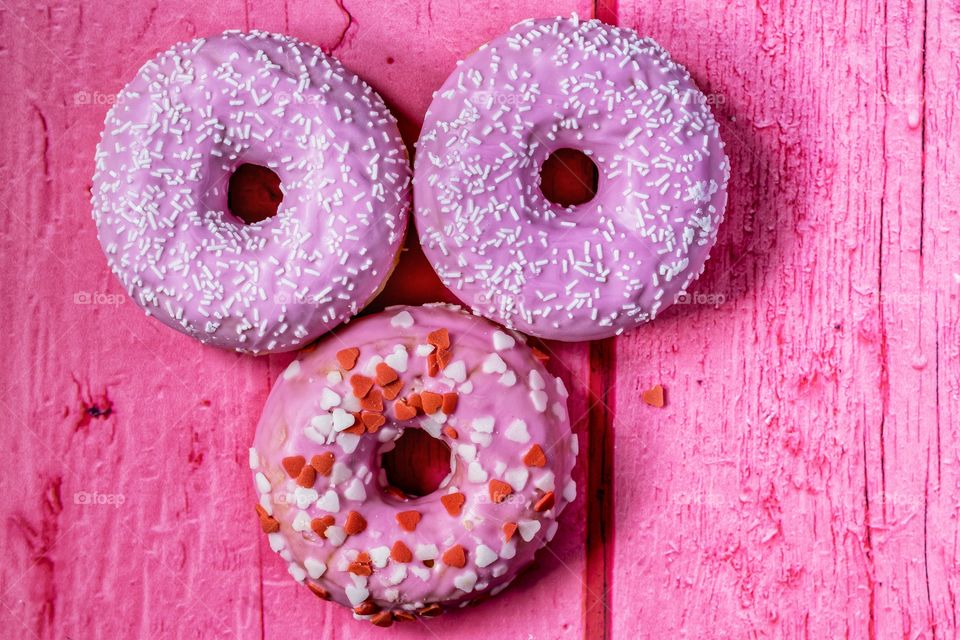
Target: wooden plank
[[99, 399], [792, 485]]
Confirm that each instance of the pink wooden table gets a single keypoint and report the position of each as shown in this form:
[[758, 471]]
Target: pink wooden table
[[802, 481]]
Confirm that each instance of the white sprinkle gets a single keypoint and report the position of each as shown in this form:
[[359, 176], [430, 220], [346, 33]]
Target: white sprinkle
[[475, 473], [355, 491], [398, 359], [342, 420], [315, 568], [305, 496], [254, 458], [297, 572], [539, 400], [456, 371], [465, 581], [379, 556], [263, 485], [334, 377], [336, 535], [536, 380], [494, 364], [402, 320], [502, 341], [517, 478], [329, 399], [329, 502], [528, 529], [517, 431], [356, 595], [348, 442], [423, 350], [570, 491], [483, 424], [292, 371], [484, 556], [426, 552], [508, 379]]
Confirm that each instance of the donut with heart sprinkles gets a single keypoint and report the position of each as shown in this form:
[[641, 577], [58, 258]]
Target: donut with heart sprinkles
[[327, 504], [207, 110], [580, 272]]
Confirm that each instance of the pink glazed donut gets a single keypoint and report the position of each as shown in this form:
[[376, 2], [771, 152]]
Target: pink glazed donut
[[325, 501], [179, 129], [596, 269]]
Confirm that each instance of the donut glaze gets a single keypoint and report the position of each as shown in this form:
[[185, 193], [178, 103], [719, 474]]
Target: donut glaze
[[587, 271], [494, 404], [177, 132]]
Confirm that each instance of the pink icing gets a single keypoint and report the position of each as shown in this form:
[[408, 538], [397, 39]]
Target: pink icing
[[179, 129], [599, 268], [508, 402]]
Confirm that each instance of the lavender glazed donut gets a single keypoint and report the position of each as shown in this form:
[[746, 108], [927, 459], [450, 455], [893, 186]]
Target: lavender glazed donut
[[178, 130], [324, 499], [592, 270]]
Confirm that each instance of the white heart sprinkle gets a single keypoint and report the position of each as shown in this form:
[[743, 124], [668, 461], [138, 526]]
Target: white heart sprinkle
[[502, 341], [475, 473], [484, 424], [305, 496], [482, 439], [297, 572], [517, 478], [334, 377], [426, 552], [536, 380], [545, 482], [342, 420], [467, 451], [465, 581], [263, 485], [528, 529], [508, 379], [493, 363], [329, 502], [292, 371], [322, 423], [498, 570], [315, 435], [339, 473], [456, 371], [329, 399], [517, 431], [379, 556], [570, 491], [484, 556], [302, 521], [431, 426], [315, 568], [403, 320], [355, 491], [336, 535], [348, 442], [508, 550], [423, 350], [562, 389], [421, 572], [276, 541], [391, 594], [574, 444], [551, 530], [559, 410], [398, 359], [539, 400], [356, 595], [398, 574], [254, 458]]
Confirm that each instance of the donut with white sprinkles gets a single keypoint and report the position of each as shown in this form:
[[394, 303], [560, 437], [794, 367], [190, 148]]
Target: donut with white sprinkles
[[325, 502], [579, 272], [176, 134]]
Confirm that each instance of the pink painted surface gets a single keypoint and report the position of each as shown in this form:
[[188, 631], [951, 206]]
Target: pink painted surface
[[802, 480]]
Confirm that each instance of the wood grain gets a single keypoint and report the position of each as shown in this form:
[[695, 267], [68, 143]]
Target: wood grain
[[802, 480]]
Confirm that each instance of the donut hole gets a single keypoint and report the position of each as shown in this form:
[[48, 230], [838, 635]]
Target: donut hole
[[569, 177], [254, 193], [417, 464]]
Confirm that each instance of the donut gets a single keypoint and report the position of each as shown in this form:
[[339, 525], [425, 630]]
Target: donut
[[327, 505], [579, 272], [186, 122]]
